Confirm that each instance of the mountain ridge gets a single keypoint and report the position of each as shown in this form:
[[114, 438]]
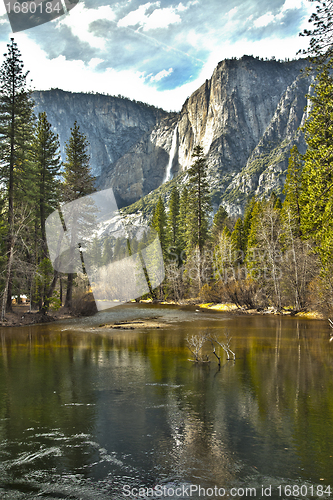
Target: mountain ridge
[[246, 117]]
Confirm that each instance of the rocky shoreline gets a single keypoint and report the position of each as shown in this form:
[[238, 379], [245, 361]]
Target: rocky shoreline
[[22, 317], [232, 308]]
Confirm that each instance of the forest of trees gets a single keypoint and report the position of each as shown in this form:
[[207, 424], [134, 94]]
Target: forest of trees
[[278, 254], [33, 184]]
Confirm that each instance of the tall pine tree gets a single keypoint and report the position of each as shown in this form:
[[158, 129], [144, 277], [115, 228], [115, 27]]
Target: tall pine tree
[[173, 220], [199, 204], [247, 220], [78, 181], [183, 222], [291, 211], [316, 197], [219, 222], [46, 159], [237, 238], [16, 122], [159, 223]]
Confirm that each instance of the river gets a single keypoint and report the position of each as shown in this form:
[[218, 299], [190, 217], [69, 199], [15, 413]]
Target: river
[[87, 412]]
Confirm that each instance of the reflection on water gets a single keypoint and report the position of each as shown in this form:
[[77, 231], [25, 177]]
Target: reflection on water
[[85, 410]]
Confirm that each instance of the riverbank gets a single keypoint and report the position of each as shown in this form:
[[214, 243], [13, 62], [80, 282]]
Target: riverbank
[[22, 317], [233, 309], [269, 310]]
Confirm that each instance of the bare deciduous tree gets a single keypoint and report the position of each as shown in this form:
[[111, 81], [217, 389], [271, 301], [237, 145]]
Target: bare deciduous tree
[[21, 219], [195, 345], [225, 345]]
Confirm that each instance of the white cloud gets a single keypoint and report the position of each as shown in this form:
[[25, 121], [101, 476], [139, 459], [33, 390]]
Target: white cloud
[[269, 18], [94, 62], [159, 18], [194, 38], [75, 76], [2, 9], [79, 20], [292, 4], [162, 74], [280, 48], [264, 20], [232, 12], [181, 7], [135, 17]]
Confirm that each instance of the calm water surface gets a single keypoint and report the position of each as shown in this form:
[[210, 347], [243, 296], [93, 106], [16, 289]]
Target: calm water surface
[[85, 410]]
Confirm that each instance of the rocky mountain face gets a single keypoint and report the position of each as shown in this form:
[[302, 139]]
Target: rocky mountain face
[[112, 125], [246, 118]]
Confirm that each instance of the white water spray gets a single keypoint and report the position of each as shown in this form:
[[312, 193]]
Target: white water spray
[[168, 174]]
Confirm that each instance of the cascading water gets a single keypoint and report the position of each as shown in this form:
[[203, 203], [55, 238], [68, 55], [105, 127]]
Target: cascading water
[[168, 174]]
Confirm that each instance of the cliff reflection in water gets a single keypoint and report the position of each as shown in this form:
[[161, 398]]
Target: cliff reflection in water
[[89, 409]]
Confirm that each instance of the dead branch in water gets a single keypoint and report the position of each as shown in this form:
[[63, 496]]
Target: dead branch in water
[[195, 345], [225, 345], [331, 325]]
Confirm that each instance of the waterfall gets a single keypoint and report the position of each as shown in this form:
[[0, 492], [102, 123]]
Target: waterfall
[[168, 174]]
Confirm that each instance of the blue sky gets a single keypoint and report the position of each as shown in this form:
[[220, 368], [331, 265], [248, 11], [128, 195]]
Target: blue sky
[[157, 51]]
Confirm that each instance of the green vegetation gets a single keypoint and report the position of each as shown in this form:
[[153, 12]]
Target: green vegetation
[[146, 204], [159, 221], [278, 254], [199, 204], [32, 188], [46, 160], [15, 169], [271, 155], [78, 182]]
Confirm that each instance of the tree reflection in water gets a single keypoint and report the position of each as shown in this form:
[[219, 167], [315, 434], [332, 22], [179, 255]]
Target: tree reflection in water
[[90, 409]]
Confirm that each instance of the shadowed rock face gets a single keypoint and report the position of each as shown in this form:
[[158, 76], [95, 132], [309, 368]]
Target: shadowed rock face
[[112, 124], [246, 118]]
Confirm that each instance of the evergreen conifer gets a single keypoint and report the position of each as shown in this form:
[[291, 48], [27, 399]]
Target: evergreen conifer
[[78, 182], [199, 203], [16, 122]]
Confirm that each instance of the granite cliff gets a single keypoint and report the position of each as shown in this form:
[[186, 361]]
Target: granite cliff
[[112, 124], [246, 117]]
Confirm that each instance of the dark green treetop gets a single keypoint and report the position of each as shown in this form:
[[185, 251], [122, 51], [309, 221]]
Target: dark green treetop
[[199, 201], [78, 180]]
